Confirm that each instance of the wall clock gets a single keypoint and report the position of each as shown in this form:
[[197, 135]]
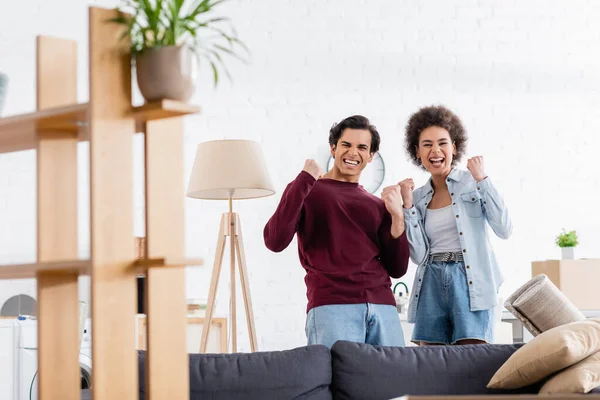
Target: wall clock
[[372, 176]]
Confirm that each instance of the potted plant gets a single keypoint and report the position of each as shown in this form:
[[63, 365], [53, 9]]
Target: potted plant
[[169, 41], [567, 241]]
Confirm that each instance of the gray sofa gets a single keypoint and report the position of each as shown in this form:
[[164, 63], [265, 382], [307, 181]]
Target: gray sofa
[[348, 371]]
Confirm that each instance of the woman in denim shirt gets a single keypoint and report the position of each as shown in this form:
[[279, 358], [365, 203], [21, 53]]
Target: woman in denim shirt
[[457, 281]]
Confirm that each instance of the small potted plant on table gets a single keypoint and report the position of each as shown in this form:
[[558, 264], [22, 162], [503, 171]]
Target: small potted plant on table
[[567, 241]]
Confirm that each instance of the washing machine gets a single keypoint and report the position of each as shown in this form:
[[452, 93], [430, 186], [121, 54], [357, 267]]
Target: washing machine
[[85, 355], [9, 354], [27, 355]]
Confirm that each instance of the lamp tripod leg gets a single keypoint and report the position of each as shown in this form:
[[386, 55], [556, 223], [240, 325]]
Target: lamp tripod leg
[[244, 281], [232, 218], [214, 283]]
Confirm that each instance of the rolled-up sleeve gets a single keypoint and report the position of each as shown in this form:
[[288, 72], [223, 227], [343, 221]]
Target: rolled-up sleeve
[[495, 211], [415, 235]]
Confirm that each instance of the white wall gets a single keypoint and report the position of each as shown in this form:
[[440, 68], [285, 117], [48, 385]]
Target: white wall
[[522, 75]]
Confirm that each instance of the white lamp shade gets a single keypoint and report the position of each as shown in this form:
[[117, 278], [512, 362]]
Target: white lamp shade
[[226, 169]]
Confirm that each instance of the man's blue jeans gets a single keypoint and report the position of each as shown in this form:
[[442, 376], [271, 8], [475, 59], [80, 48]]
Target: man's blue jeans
[[377, 324]]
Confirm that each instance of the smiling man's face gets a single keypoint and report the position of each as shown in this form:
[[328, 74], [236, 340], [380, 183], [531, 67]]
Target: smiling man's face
[[352, 153]]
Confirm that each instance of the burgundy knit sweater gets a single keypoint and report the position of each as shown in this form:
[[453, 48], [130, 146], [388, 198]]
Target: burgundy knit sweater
[[344, 241]]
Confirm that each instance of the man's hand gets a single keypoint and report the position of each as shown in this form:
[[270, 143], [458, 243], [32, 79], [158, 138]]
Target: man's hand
[[475, 166], [406, 190], [393, 200], [393, 203], [312, 168]]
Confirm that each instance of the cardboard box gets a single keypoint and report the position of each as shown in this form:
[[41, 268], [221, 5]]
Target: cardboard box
[[579, 280]]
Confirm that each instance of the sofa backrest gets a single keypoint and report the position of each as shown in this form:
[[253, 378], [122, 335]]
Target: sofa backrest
[[301, 373], [349, 371], [362, 371]]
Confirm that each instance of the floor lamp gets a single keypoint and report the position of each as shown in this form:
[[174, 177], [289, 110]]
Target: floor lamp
[[229, 170]]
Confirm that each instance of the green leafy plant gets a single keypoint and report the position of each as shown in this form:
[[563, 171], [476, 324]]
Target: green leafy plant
[[567, 239], [159, 23]]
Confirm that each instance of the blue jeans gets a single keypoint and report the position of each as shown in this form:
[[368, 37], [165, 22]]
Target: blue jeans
[[377, 324], [443, 312]]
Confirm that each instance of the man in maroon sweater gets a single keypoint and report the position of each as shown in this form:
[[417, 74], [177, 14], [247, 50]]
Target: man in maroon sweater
[[350, 242]]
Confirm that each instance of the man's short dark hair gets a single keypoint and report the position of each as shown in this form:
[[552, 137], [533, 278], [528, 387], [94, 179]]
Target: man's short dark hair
[[355, 122]]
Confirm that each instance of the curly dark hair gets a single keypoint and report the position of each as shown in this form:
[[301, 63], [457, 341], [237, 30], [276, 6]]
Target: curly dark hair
[[434, 116], [355, 122]]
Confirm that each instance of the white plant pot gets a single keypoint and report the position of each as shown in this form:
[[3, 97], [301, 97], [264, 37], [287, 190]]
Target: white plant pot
[[166, 73], [568, 253]]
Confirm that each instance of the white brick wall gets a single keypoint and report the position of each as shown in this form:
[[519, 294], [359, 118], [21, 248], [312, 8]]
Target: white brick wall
[[522, 75]]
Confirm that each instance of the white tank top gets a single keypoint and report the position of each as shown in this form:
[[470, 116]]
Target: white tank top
[[440, 228]]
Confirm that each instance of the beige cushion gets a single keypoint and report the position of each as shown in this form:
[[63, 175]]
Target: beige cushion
[[540, 305], [581, 377], [548, 353]]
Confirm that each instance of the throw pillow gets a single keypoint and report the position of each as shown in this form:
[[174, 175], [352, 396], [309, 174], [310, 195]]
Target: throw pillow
[[547, 353], [581, 377]]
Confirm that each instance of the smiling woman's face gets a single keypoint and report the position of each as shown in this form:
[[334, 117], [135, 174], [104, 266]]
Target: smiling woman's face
[[436, 150]]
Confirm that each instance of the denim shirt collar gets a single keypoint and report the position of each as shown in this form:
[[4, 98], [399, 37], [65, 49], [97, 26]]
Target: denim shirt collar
[[453, 175]]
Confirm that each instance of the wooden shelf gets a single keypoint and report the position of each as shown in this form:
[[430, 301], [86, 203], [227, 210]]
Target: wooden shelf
[[163, 109], [141, 266], [25, 271], [19, 132]]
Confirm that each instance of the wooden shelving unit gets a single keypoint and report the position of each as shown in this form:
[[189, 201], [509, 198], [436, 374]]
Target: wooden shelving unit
[[108, 122]]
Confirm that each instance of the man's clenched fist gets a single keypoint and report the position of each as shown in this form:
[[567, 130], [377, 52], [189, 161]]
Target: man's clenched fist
[[312, 168], [392, 199]]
